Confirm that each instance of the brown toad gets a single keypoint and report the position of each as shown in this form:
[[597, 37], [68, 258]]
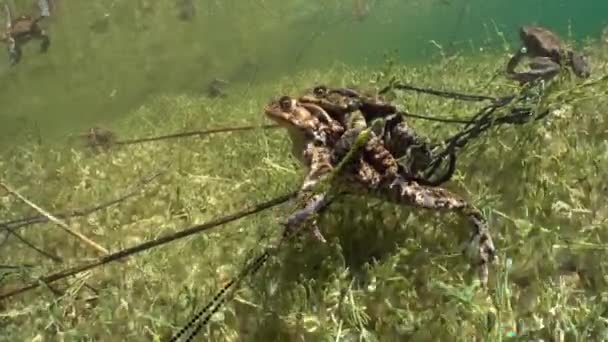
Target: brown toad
[[310, 129], [548, 55], [356, 109], [20, 31], [98, 138], [339, 102], [305, 120], [338, 106], [373, 172]]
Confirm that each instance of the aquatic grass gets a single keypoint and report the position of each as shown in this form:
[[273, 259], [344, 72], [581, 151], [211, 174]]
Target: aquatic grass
[[387, 273]]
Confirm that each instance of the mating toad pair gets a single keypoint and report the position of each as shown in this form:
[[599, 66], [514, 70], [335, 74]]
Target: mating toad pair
[[324, 125]]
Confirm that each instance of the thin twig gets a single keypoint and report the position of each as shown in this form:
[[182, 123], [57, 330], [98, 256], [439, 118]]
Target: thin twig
[[18, 223], [54, 219], [72, 213], [449, 94], [9, 292], [199, 133], [48, 255], [438, 119], [15, 266], [32, 246], [41, 251]]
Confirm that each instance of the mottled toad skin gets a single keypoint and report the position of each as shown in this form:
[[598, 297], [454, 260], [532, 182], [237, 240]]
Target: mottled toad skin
[[374, 172], [304, 124], [356, 110]]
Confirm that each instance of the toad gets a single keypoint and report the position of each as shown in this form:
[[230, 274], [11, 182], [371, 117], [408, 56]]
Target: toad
[[341, 101], [98, 138], [378, 178], [548, 55], [355, 110], [20, 31], [310, 129]]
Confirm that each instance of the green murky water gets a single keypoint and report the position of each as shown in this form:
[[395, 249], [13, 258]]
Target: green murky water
[[99, 69]]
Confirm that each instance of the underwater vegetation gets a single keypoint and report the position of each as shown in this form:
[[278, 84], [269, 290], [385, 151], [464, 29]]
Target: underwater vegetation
[[377, 271]]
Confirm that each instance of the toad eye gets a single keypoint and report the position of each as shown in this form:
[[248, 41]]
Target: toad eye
[[320, 91], [285, 103], [523, 49]]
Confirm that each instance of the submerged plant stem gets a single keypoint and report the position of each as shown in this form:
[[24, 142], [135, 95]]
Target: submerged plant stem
[[18, 223], [194, 133], [147, 245], [55, 220]]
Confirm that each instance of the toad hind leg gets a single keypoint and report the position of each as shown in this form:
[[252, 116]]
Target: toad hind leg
[[480, 248]]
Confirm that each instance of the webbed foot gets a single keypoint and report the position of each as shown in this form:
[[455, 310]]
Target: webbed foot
[[320, 166], [480, 249]]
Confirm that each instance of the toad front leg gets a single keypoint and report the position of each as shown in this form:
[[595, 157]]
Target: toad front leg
[[313, 206], [318, 159], [480, 248], [321, 175], [319, 168]]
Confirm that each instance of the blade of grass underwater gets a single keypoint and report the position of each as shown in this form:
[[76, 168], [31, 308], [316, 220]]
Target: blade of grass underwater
[[147, 245]]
